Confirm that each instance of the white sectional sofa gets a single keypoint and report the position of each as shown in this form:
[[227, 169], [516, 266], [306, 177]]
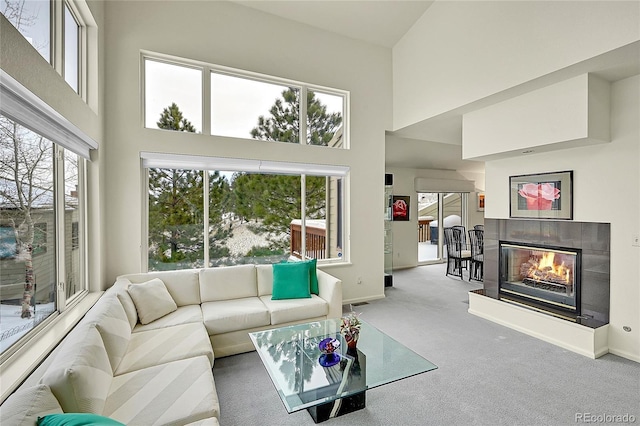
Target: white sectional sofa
[[160, 372]]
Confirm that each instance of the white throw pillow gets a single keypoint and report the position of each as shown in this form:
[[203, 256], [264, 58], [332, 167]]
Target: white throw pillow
[[25, 406], [152, 300]]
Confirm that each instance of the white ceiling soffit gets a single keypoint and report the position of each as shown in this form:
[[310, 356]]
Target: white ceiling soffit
[[380, 22], [443, 185], [422, 154]]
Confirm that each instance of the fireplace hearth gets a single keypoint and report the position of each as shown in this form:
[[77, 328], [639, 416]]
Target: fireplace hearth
[[544, 277]]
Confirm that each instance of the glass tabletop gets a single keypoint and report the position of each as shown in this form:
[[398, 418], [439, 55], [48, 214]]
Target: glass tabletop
[[305, 377]]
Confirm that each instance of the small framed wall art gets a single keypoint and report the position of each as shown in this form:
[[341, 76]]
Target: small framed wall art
[[480, 201], [541, 196], [400, 207]]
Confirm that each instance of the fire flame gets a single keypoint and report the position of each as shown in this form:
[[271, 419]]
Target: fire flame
[[547, 269]]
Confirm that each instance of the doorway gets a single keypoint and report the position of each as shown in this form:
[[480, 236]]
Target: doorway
[[431, 207]]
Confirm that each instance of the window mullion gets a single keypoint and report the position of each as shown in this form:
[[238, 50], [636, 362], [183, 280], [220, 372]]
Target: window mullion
[[205, 210], [144, 258], [206, 101], [303, 116], [57, 36], [83, 222], [303, 214], [59, 218]]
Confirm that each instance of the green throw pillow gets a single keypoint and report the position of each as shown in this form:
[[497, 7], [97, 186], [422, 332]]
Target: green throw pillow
[[76, 419], [290, 281], [313, 275]]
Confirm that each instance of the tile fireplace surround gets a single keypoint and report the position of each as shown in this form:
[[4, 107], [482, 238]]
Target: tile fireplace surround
[[586, 334]]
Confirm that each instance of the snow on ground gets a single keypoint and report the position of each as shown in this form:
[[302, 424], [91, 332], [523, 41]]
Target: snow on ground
[[12, 327]]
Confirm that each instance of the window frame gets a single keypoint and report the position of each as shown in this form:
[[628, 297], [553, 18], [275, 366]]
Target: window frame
[[209, 164], [56, 239], [208, 69], [57, 48]]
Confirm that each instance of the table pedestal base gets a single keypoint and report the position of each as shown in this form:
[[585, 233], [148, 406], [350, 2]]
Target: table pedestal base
[[349, 404]]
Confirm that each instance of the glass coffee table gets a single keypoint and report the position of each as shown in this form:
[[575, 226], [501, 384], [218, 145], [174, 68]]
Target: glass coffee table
[[329, 386]]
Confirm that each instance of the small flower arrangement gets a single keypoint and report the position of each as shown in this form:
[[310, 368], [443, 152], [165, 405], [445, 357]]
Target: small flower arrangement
[[350, 327]]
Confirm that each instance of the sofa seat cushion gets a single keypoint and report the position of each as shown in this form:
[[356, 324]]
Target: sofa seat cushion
[[183, 315], [289, 310], [24, 406], [224, 316], [154, 347], [175, 393]]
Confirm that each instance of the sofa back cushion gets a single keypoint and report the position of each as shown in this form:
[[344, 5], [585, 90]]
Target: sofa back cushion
[[152, 300], [119, 288], [110, 319], [182, 284], [80, 375], [25, 405], [228, 282], [264, 274]]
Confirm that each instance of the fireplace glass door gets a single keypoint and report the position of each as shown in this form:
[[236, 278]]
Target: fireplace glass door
[[542, 276]]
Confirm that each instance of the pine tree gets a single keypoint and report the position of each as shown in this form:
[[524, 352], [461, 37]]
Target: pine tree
[[275, 200], [171, 119], [283, 125], [176, 212]]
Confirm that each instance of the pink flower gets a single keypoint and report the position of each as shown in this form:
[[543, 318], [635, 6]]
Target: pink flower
[[539, 196], [529, 190], [549, 192]]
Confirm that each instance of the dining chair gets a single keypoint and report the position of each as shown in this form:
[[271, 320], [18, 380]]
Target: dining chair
[[476, 262], [458, 255]]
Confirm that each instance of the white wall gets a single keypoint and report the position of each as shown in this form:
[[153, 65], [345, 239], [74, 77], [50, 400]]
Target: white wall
[[227, 34], [462, 51], [606, 189]]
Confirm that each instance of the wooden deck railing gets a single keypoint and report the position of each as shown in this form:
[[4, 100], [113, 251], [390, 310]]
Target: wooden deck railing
[[316, 247], [424, 231]]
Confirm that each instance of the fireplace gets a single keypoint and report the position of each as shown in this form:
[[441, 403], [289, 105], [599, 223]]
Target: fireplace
[[542, 277]]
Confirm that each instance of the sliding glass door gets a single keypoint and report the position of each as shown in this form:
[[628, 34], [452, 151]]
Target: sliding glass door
[[432, 207]]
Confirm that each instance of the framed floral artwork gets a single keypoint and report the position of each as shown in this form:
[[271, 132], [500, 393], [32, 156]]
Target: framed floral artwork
[[542, 196]]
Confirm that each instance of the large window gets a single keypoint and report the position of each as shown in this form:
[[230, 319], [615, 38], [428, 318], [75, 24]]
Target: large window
[[31, 183], [247, 216], [234, 103], [173, 97], [38, 21], [207, 211], [33, 19], [71, 48]]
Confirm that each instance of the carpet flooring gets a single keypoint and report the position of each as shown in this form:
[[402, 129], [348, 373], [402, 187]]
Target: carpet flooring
[[487, 374]]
